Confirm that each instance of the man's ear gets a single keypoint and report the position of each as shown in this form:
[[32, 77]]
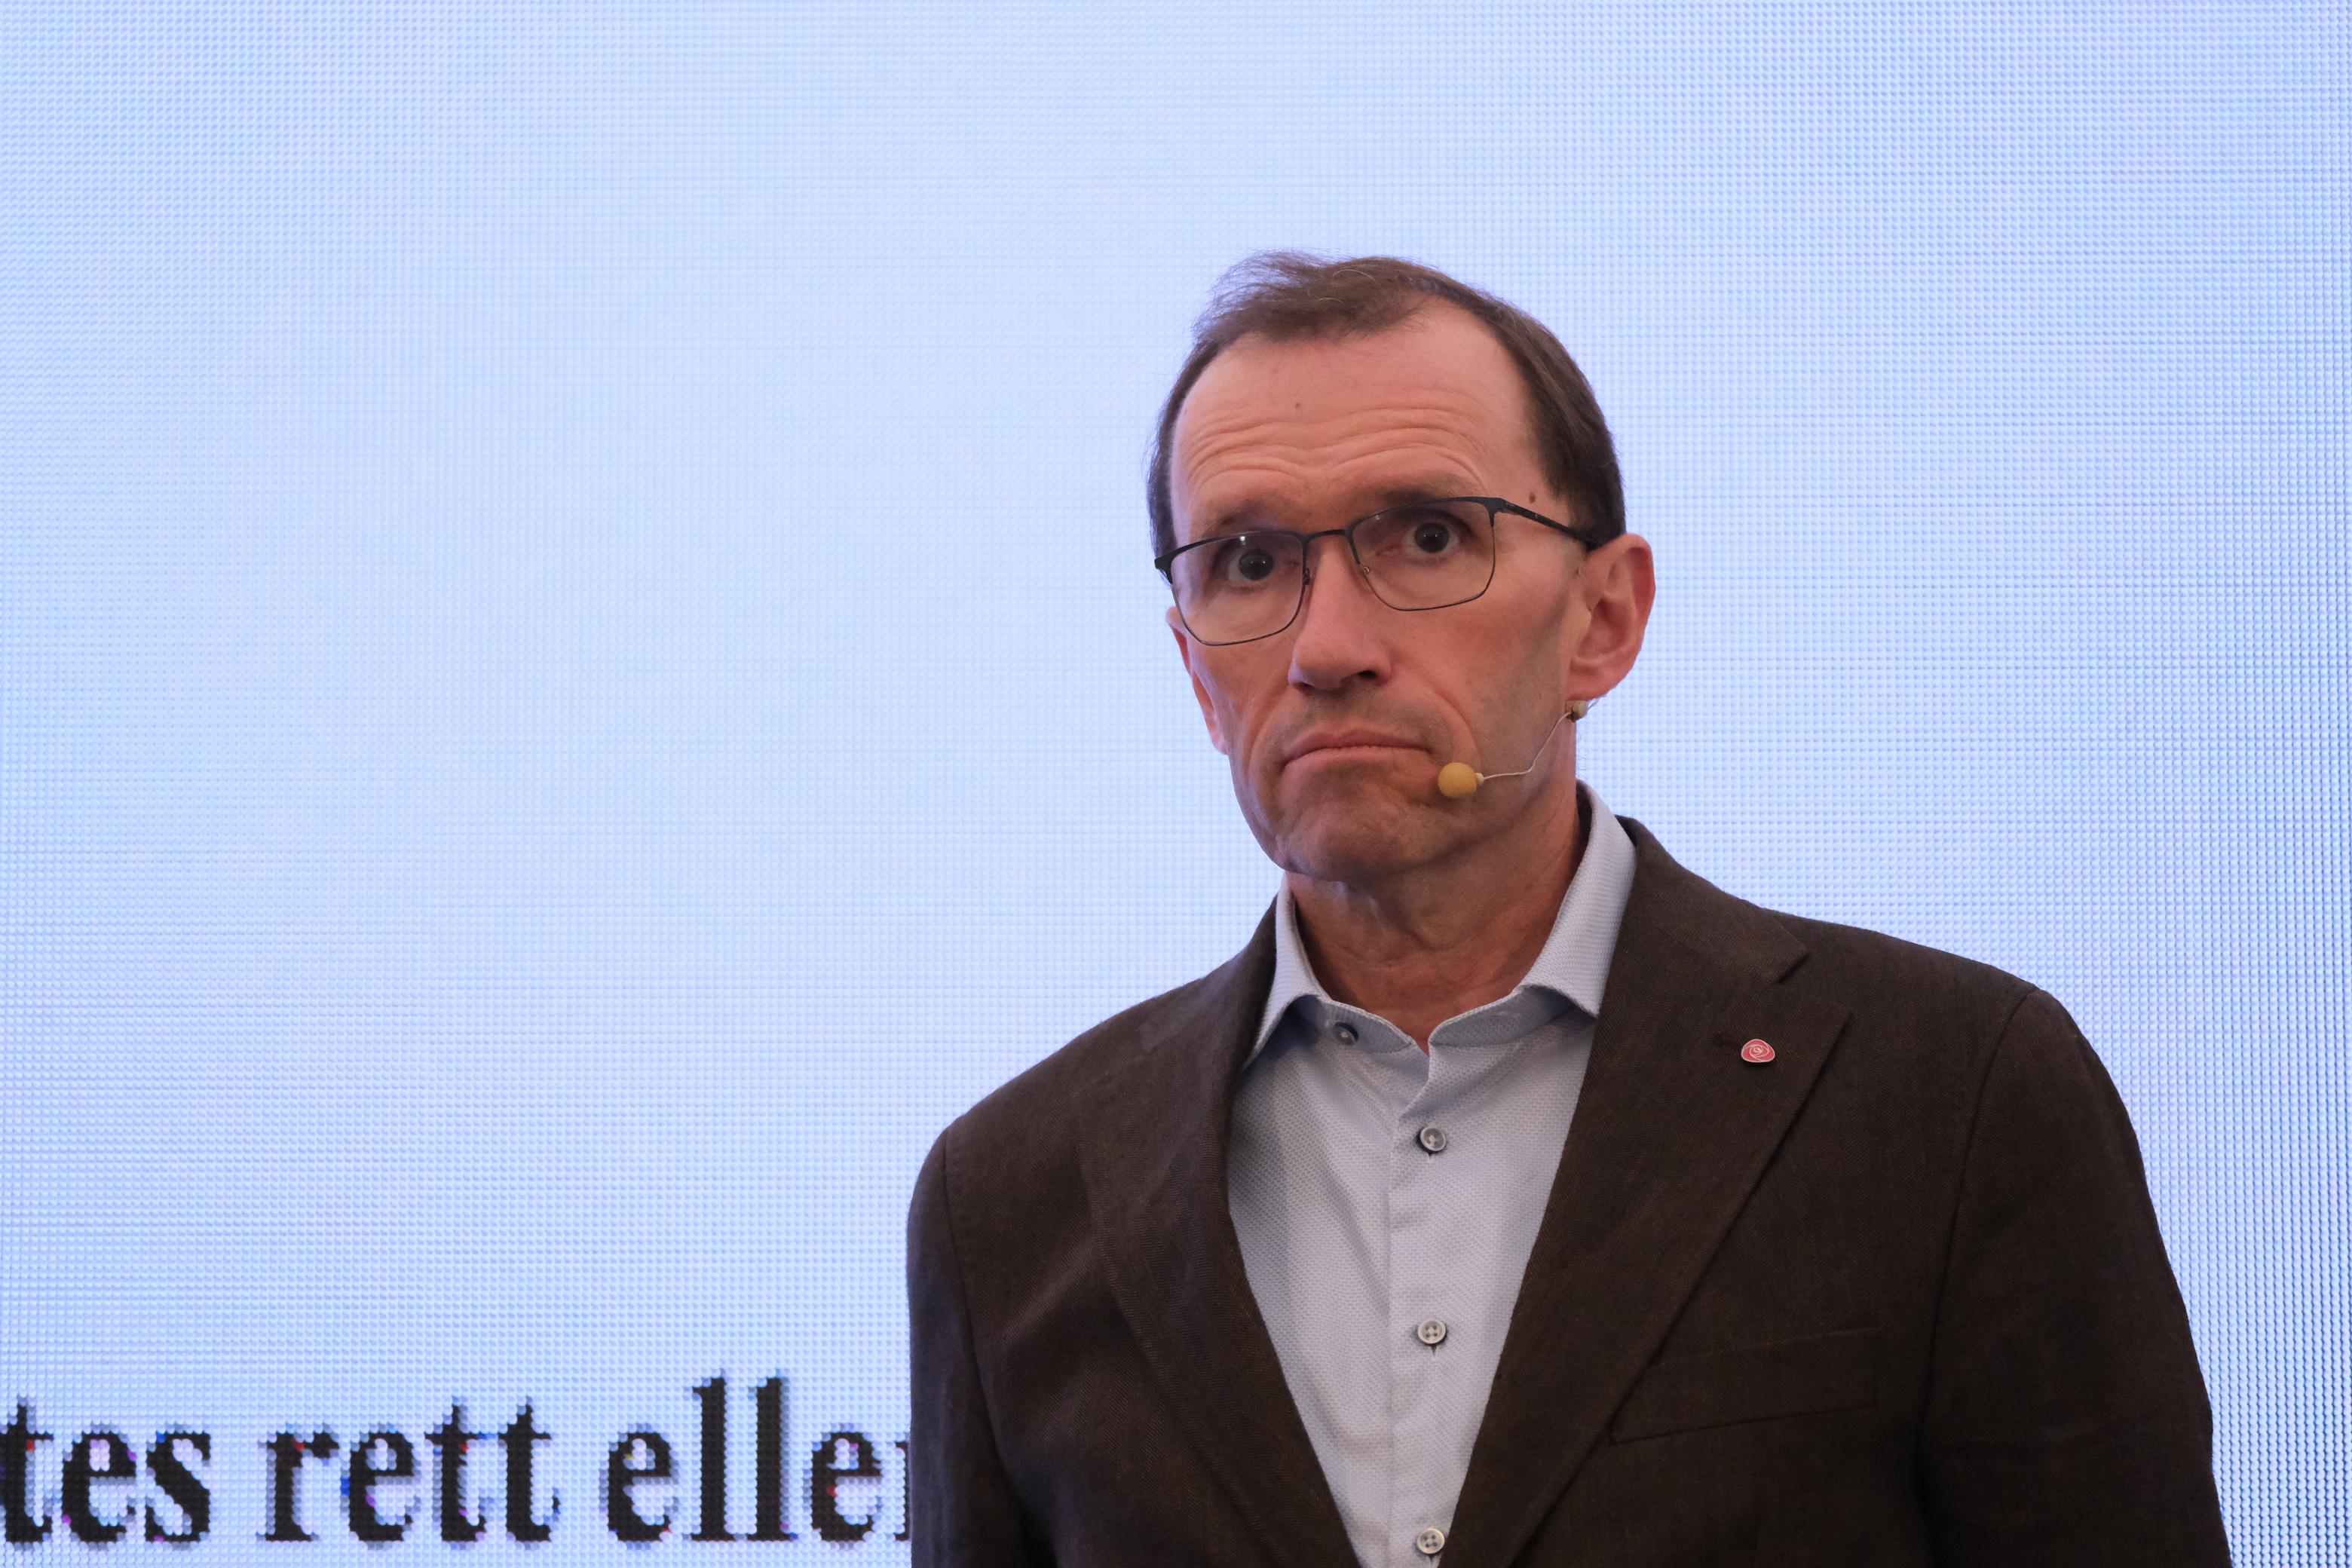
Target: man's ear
[[1200, 693], [1617, 585]]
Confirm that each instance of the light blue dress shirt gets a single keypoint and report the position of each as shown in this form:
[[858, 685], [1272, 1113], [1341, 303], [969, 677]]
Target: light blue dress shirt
[[1387, 1201]]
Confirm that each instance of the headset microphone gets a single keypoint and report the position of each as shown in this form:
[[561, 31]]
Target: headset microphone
[[1460, 781]]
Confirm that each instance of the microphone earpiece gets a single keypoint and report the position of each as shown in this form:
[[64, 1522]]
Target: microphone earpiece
[[1460, 781]]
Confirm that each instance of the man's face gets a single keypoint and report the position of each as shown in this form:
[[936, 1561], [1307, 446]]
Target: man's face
[[1334, 728]]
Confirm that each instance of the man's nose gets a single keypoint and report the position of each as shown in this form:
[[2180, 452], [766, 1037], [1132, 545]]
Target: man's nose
[[1338, 635]]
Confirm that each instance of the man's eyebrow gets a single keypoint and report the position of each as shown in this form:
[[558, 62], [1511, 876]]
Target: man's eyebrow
[[1249, 516], [1246, 517], [1432, 488]]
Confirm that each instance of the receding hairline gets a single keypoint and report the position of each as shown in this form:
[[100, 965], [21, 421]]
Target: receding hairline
[[1285, 296], [1389, 491]]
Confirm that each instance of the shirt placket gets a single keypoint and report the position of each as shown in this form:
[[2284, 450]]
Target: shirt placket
[[1422, 1297]]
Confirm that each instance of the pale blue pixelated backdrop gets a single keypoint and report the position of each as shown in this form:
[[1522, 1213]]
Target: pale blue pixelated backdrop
[[578, 669]]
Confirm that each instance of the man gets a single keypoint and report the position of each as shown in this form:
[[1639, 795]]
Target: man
[[1514, 1196]]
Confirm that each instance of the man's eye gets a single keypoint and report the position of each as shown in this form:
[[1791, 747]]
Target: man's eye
[[1245, 562], [1433, 536]]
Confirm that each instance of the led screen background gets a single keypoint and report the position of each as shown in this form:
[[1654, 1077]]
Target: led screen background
[[579, 670]]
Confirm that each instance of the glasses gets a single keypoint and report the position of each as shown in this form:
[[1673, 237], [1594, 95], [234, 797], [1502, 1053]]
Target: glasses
[[1422, 555]]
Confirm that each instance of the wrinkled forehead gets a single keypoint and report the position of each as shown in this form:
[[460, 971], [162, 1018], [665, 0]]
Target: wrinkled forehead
[[1310, 432]]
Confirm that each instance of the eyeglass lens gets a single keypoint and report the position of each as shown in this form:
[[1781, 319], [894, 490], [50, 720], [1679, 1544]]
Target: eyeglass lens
[[1418, 557]]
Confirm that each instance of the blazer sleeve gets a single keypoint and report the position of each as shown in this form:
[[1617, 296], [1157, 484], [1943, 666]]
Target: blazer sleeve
[[963, 1509], [2066, 1421]]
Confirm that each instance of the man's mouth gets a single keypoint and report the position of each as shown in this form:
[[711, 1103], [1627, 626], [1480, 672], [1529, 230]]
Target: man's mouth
[[1349, 744]]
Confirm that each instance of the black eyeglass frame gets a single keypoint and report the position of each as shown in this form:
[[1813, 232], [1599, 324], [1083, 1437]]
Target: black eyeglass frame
[[1496, 507]]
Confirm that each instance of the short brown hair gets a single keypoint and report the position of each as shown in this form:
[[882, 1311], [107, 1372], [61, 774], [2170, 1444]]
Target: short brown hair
[[1284, 295]]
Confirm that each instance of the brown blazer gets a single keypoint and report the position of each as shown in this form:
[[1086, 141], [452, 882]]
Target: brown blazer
[[1894, 1297]]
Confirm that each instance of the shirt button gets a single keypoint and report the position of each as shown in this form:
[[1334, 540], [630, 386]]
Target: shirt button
[[1431, 1333], [1430, 1541], [1347, 1033], [1433, 1137]]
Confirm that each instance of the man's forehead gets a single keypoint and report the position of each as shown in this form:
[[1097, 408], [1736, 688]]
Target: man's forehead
[[1318, 421]]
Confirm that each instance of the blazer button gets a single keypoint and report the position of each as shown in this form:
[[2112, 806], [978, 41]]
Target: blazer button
[[1430, 1541], [1433, 1137]]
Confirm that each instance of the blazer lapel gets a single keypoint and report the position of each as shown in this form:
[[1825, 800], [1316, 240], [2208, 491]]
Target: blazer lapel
[[1671, 1133], [1154, 1158]]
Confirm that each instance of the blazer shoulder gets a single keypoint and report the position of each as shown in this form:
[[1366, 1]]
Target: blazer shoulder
[[1940, 1024], [1026, 1130], [1930, 1014], [1045, 1093], [1866, 968], [1870, 973]]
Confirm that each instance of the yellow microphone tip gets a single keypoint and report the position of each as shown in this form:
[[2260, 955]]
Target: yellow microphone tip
[[1457, 780]]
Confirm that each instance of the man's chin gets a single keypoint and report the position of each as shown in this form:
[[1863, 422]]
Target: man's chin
[[1366, 849]]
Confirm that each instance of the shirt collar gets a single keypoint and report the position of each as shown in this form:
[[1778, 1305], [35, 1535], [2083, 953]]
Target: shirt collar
[[1574, 962]]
